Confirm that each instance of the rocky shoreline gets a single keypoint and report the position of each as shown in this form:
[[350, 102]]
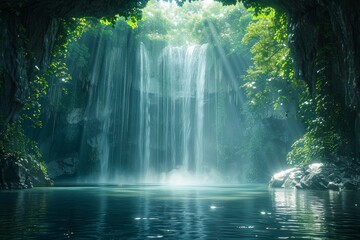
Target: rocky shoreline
[[318, 176]]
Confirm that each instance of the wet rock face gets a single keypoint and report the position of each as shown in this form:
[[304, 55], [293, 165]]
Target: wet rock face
[[21, 173], [318, 176], [13, 75], [21, 57], [330, 30], [63, 168], [335, 25], [61, 145]]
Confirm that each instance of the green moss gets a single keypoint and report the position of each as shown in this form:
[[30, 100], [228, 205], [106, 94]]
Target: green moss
[[15, 145]]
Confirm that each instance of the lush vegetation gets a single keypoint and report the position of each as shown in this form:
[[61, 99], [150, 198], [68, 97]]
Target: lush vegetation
[[194, 23], [18, 138], [271, 88], [15, 144]]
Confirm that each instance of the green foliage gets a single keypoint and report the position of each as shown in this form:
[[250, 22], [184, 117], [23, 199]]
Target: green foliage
[[223, 26], [131, 21], [257, 7], [131, 14], [109, 21], [195, 23], [328, 132], [155, 25], [32, 107], [270, 85], [58, 76], [70, 31], [13, 141], [272, 90], [57, 71]]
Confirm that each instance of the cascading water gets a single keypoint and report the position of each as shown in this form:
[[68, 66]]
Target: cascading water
[[178, 93], [172, 114], [162, 111], [107, 112], [199, 109], [144, 118], [99, 109], [152, 117]]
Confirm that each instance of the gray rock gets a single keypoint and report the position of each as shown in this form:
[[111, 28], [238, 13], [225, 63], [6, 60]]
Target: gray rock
[[20, 173], [279, 179], [318, 176], [75, 116], [313, 180], [63, 167]]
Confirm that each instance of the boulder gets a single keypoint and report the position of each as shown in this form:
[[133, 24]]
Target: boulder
[[21, 172], [287, 179], [318, 176]]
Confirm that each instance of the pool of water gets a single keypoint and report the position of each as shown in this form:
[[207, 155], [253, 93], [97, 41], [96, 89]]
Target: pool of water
[[155, 212]]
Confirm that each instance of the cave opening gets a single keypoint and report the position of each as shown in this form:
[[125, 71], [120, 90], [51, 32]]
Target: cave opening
[[170, 124], [165, 103]]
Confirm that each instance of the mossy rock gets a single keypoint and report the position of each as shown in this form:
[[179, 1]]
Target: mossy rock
[[21, 172]]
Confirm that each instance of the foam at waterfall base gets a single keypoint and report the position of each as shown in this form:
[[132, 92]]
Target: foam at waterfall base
[[181, 176]]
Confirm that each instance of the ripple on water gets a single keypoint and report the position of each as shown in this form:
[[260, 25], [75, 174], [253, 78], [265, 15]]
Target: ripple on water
[[184, 213]]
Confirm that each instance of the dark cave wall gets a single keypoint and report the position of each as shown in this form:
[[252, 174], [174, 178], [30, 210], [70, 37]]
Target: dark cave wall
[[330, 30], [26, 48], [334, 24], [28, 33], [310, 24]]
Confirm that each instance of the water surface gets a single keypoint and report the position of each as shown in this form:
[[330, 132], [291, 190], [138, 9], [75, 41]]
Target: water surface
[[155, 212]]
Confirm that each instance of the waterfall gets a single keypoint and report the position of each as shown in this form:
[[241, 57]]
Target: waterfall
[[148, 116], [144, 119], [106, 115], [199, 108], [98, 111], [172, 87]]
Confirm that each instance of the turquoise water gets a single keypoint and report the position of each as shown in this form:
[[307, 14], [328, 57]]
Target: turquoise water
[[161, 212]]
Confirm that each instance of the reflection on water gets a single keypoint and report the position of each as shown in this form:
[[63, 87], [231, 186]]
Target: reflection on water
[[317, 214], [154, 212]]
